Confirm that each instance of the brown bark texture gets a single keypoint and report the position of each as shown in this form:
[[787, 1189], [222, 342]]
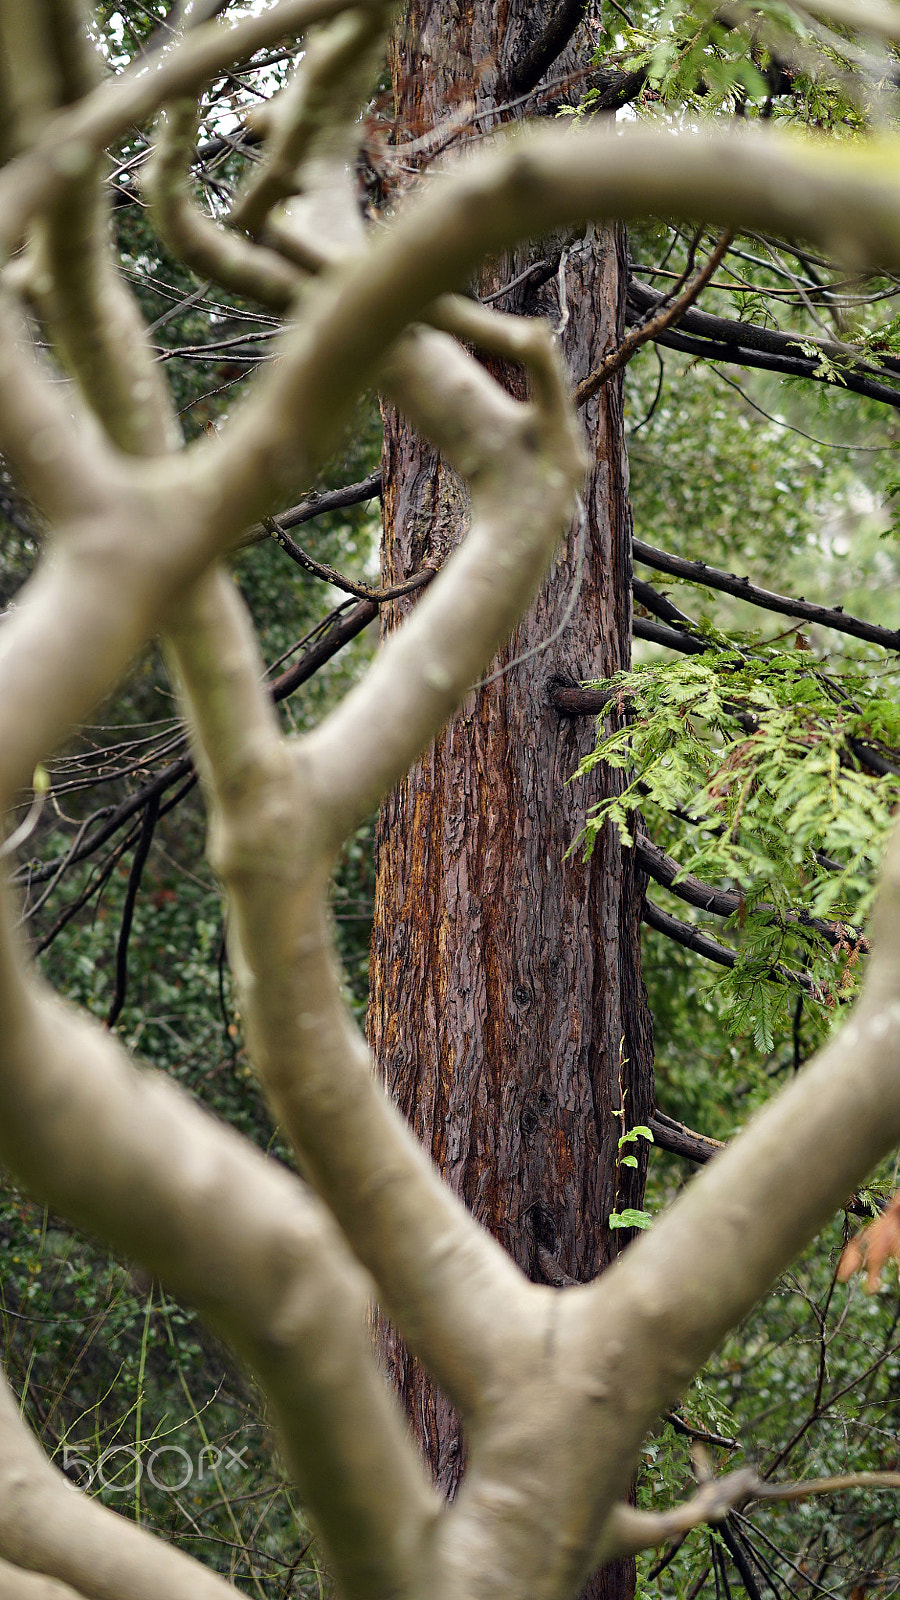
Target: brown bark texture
[[507, 1012]]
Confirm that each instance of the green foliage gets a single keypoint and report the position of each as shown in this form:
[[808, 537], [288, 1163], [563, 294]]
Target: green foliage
[[771, 60], [764, 753], [629, 1218]]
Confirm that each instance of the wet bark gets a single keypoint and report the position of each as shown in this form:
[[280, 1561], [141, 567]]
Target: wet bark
[[507, 1011]]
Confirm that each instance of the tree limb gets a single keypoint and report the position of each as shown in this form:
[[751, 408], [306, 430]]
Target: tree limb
[[128, 1155], [727, 902], [424, 1250], [523, 463], [210, 250], [692, 938], [681, 1141], [642, 1530], [712, 578], [667, 311]]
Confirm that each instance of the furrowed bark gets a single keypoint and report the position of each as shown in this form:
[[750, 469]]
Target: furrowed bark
[[507, 1012], [439, 1274]]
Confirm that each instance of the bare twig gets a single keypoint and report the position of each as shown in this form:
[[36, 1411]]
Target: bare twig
[[669, 312]]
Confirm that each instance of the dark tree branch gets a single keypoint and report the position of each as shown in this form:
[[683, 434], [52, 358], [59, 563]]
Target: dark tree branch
[[616, 89], [101, 875], [872, 759], [316, 505], [699, 1435], [669, 310], [319, 569], [792, 367], [748, 345], [752, 336], [681, 1141], [570, 700], [659, 604], [547, 48], [767, 600], [702, 945], [738, 1555], [536, 273], [727, 902], [656, 633], [689, 937], [112, 818], [344, 627], [138, 863]]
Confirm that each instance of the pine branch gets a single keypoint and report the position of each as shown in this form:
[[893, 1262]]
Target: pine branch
[[692, 938], [728, 902]]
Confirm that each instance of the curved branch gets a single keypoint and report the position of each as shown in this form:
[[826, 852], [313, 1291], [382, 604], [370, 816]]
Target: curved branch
[[315, 135], [32, 181], [635, 1530], [666, 312], [524, 464], [356, 316], [280, 811], [128, 1155], [55, 455], [728, 902], [92, 316], [58, 1534], [363, 591], [665, 1304], [539, 182], [211, 251], [338, 631], [691, 938]]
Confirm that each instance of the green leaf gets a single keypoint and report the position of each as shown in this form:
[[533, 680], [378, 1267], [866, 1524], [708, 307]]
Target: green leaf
[[629, 1218]]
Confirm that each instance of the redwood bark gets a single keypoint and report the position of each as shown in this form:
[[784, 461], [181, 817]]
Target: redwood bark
[[507, 1010]]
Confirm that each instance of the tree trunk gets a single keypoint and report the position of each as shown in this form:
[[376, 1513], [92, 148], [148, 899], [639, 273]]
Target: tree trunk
[[507, 1011]]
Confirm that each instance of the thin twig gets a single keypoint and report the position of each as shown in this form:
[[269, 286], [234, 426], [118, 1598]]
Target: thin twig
[[362, 591], [651, 327]]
